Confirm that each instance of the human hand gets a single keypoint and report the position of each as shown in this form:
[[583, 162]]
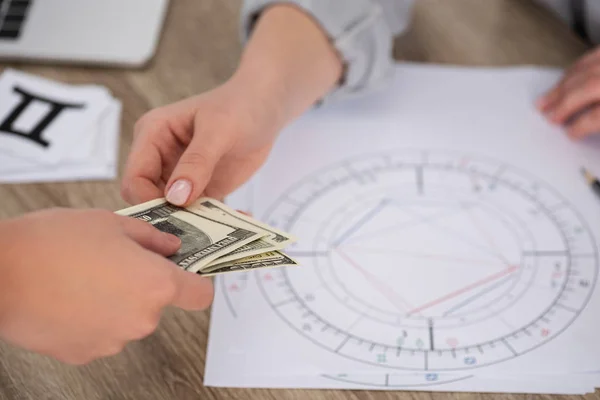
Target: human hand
[[207, 145], [79, 285], [574, 101], [210, 144]]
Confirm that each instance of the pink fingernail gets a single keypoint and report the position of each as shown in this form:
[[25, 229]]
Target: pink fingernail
[[180, 192]]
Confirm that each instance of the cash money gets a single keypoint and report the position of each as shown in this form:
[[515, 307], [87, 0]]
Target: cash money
[[269, 259], [277, 236], [203, 238], [215, 239], [275, 240]]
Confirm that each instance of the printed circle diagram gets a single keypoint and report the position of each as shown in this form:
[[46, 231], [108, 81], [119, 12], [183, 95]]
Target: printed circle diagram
[[429, 261]]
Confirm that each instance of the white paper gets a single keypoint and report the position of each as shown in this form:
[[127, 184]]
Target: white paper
[[101, 164], [392, 382], [66, 133], [83, 143], [444, 228]]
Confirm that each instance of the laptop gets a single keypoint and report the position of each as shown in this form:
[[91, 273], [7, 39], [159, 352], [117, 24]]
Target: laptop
[[110, 32]]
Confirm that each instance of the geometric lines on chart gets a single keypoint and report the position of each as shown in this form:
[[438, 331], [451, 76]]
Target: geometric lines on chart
[[447, 241], [397, 381], [427, 261]]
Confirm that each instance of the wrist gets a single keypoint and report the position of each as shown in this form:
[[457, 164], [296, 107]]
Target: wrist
[[261, 96], [289, 63]]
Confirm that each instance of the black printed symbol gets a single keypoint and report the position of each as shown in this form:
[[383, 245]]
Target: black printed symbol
[[35, 135]]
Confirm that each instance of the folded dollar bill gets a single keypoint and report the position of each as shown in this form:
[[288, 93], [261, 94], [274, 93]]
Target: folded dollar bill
[[269, 259], [275, 240], [215, 238]]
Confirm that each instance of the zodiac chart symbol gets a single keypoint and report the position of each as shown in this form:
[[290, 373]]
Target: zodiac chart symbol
[[427, 262]]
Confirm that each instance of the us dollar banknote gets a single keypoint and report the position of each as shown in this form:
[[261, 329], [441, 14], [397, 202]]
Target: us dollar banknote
[[257, 247], [276, 236], [275, 240], [204, 238], [271, 259]]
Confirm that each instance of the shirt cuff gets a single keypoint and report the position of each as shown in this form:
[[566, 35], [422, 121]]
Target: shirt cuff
[[359, 32]]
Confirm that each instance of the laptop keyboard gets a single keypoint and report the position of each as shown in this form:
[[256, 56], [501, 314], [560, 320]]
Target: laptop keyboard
[[12, 17]]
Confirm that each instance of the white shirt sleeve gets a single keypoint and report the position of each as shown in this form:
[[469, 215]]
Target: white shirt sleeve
[[362, 31]]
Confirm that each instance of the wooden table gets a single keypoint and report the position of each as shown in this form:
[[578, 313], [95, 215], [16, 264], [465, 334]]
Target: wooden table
[[199, 50]]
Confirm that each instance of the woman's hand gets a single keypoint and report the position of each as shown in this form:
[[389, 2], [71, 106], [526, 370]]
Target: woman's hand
[[575, 101], [207, 145], [80, 285], [210, 144]]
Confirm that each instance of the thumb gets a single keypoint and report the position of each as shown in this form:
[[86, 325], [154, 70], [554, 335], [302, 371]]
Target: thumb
[[192, 173], [193, 291]]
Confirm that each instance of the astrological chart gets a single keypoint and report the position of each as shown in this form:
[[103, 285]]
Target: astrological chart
[[446, 242], [420, 261]]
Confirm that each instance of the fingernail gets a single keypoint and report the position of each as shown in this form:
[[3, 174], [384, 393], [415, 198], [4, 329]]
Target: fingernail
[[180, 192], [172, 239]]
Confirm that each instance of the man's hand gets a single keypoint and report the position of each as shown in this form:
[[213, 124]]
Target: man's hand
[[575, 101], [79, 285]]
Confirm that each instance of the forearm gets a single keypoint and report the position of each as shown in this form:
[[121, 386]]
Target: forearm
[[288, 63]]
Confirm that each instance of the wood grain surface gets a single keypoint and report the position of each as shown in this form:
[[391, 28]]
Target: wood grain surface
[[199, 50]]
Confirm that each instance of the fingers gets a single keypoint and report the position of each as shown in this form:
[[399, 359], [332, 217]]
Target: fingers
[[193, 291], [138, 189], [142, 173], [545, 102], [587, 124], [583, 92], [149, 237], [154, 152], [168, 284], [548, 102], [193, 171], [572, 102]]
